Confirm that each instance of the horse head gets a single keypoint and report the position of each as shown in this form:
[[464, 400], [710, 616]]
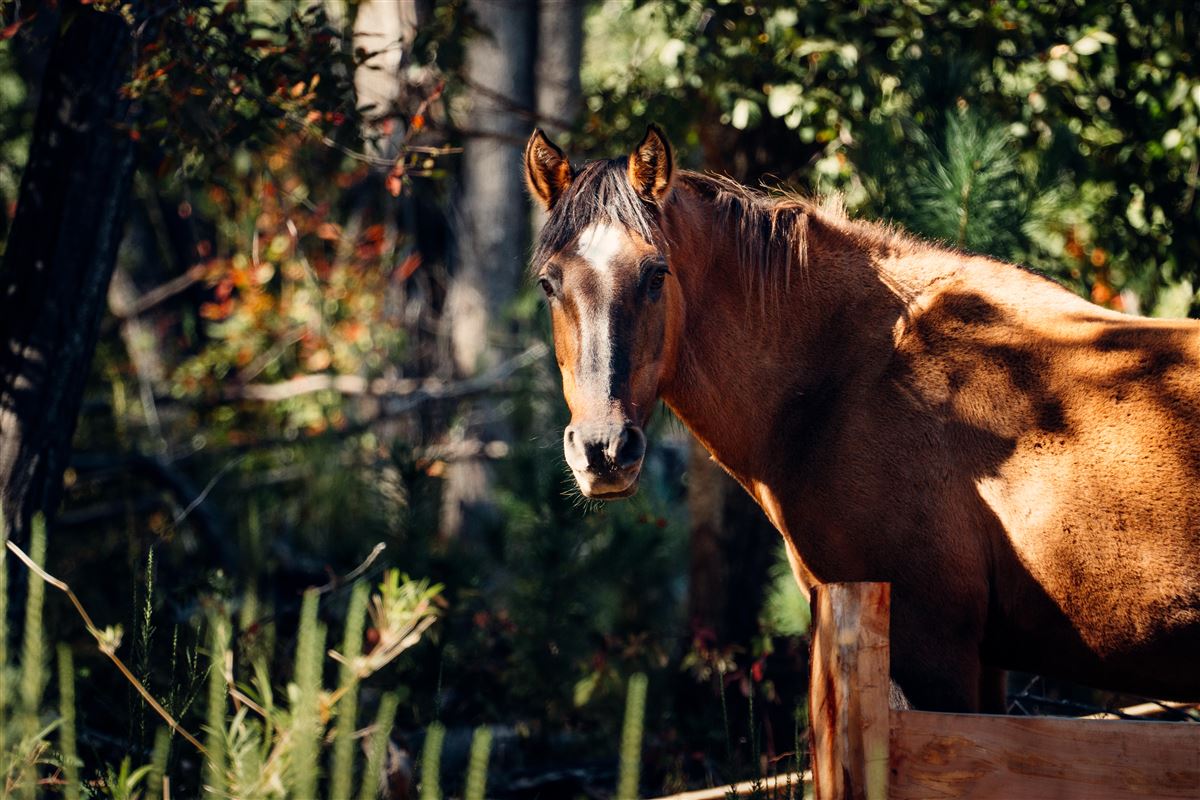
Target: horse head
[[605, 267]]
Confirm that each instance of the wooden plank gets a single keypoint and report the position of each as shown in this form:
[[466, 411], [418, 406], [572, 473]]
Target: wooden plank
[[979, 756], [772, 786], [848, 691]]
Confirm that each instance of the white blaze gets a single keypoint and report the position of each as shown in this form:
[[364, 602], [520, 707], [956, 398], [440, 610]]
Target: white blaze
[[599, 245]]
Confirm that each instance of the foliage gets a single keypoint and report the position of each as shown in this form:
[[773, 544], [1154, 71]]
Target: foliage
[[785, 608], [258, 749], [221, 77], [965, 188], [1102, 104], [24, 735], [581, 593]]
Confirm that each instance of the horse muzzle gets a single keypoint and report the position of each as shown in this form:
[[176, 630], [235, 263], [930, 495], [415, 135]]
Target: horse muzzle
[[606, 458]]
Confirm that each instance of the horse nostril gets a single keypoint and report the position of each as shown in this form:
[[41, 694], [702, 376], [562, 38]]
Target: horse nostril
[[632, 447]]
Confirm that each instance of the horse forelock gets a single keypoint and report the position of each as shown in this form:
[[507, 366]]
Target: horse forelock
[[599, 193]]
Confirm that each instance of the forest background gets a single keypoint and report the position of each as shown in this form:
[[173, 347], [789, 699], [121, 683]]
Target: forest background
[[263, 311]]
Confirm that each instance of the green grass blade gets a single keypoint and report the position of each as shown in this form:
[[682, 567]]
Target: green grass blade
[[4, 676], [214, 741], [631, 739], [33, 651], [347, 710], [431, 762], [307, 728], [66, 732], [377, 753], [158, 762], [3, 611], [477, 767]]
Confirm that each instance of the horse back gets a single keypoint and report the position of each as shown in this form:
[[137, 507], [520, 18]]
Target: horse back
[[1044, 452]]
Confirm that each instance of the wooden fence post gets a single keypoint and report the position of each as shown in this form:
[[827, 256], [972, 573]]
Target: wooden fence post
[[848, 691]]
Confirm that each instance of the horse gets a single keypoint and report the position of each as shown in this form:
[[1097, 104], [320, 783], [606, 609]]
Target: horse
[[1020, 465]]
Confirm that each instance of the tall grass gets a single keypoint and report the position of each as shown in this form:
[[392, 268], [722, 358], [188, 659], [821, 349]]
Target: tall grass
[[310, 656], [4, 671], [262, 749], [33, 668], [481, 748], [431, 762], [347, 710], [630, 768], [214, 740], [377, 749], [66, 732], [33, 649], [158, 763]]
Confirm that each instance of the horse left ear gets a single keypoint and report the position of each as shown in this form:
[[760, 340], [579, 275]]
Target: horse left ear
[[547, 170], [651, 166]]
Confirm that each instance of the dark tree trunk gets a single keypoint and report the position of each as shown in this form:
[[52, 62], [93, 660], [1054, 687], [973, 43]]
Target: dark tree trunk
[[60, 256], [732, 546], [558, 96]]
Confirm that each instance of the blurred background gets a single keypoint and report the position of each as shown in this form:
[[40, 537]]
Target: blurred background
[[264, 307]]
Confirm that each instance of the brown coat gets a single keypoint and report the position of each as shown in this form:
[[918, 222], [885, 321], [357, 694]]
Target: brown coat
[[1021, 465]]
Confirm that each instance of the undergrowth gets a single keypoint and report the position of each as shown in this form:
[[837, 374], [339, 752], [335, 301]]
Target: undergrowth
[[263, 737]]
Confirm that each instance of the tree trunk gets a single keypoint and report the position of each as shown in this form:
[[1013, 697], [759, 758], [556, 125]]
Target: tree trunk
[[492, 232], [387, 29], [556, 72], [558, 95], [492, 228], [731, 548], [60, 256]]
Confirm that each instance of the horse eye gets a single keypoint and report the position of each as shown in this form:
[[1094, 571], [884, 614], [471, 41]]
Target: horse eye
[[547, 286], [657, 280]]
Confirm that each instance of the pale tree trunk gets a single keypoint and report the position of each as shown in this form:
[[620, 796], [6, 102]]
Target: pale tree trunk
[[386, 28], [60, 256]]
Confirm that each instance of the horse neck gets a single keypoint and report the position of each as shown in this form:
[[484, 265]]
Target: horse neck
[[754, 361]]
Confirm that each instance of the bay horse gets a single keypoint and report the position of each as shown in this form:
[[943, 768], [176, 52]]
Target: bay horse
[[1022, 466]]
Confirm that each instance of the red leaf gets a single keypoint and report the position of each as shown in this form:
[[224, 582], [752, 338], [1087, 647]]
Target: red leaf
[[11, 30], [409, 266], [395, 180]]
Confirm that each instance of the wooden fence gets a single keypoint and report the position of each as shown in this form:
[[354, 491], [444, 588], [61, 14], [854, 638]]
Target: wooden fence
[[865, 750]]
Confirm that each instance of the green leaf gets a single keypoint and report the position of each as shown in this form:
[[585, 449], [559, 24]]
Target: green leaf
[[783, 99], [1087, 45], [744, 113]]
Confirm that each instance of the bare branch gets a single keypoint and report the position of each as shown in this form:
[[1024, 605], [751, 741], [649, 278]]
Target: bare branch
[[401, 395], [159, 294], [103, 643]]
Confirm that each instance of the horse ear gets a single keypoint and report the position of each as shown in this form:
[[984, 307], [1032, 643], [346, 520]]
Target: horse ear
[[651, 166], [547, 171]]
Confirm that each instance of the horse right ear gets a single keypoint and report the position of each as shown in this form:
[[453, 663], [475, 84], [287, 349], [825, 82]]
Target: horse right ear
[[651, 166], [547, 171]]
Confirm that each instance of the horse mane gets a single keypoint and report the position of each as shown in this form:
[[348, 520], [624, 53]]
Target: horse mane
[[771, 227]]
